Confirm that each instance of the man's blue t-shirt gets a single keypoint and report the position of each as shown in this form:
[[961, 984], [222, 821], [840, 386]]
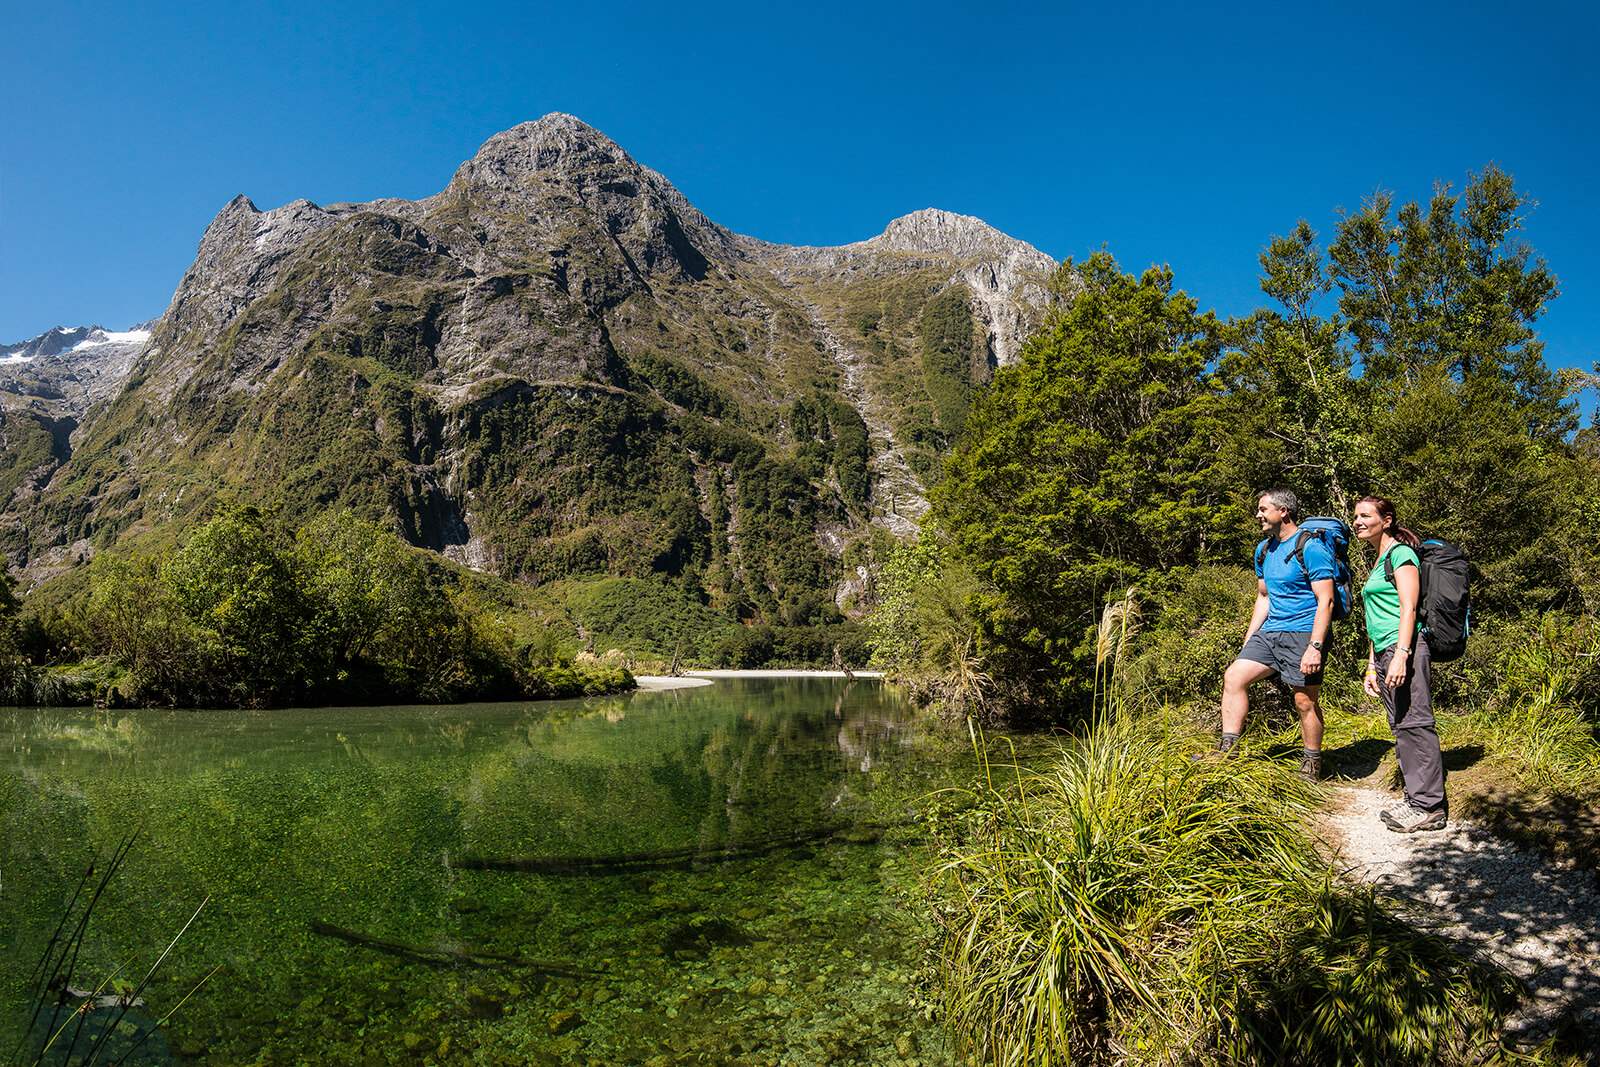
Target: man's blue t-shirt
[[1293, 606]]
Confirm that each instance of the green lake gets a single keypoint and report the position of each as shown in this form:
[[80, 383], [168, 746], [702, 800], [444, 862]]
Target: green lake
[[728, 874]]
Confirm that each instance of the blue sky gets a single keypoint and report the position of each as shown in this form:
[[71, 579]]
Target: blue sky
[[1175, 133]]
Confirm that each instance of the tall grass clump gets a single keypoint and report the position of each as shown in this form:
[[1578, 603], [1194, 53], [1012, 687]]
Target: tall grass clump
[[1543, 719], [1134, 904]]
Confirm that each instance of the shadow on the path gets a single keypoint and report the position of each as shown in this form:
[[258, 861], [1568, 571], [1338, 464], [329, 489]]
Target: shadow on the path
[[1535, 918]]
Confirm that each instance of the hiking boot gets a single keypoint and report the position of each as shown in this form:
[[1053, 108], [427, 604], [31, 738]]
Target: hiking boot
[[1311, 767], [1408, 820]]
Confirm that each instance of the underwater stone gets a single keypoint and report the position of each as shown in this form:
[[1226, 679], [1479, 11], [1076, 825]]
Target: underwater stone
[[563, 1022]]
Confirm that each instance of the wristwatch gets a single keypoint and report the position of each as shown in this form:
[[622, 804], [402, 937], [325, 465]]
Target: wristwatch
[[1317, 645]]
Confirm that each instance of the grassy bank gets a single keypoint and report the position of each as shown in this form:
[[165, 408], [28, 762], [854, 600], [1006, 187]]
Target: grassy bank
[[1132, 903]]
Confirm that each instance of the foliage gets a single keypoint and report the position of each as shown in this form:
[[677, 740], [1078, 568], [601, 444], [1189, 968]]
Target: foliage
[[251, 613], [28, 445], [1449, 288], [1290, 392], [1200, 631], [241, 590], [1089, 466], [822, 419], [134, 617], [641, 616], [676, 383], [1134, 903], [947, 356], [368, 587], [1545, 718], [905, 574], [925, 624]]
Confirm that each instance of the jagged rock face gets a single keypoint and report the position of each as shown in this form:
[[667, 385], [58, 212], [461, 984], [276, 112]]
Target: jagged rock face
[[1005, 276], [64, 372], [524, 369]]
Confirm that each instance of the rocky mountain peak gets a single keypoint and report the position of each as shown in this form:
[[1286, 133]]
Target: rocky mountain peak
[[478, 353], [548, 168], [49, 343], [556, 142], [946, 233]]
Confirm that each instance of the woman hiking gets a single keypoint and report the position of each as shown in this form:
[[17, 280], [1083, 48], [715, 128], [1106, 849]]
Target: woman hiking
[[1398, 662]]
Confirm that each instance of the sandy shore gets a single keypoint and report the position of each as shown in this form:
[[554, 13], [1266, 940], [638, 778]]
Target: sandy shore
[[652, 683]]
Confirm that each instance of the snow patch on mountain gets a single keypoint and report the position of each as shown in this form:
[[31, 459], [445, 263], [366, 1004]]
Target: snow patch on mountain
[[99, 337]]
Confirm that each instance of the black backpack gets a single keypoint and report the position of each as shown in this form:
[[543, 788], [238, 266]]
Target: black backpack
[[1444, 597], [1336, 535]]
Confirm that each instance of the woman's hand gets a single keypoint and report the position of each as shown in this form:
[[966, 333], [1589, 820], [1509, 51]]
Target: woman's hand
[[1370, 682], [1399, 666]]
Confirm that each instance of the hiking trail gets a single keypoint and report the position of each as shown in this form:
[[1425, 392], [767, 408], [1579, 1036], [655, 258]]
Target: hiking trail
[[1534, 916]]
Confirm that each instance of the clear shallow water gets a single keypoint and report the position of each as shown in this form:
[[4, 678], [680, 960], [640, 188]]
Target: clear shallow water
[[719, 875]]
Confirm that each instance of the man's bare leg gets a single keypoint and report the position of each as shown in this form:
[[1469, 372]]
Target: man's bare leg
[[1236, 683], [1310, 711]]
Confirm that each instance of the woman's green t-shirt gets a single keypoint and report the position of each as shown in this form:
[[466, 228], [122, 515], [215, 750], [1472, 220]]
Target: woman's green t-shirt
[[1382, 600]]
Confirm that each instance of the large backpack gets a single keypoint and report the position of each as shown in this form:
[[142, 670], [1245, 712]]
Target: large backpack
[[1444, 597], [1336, 535]]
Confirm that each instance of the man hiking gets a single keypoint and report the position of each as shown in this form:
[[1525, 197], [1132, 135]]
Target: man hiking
[[1289, 627]]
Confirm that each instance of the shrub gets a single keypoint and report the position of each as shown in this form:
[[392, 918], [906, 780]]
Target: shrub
[[1199, 632]]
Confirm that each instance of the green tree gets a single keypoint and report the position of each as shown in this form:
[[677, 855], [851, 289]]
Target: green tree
[[1297, 410], [1450, 287], [363, 584], [1089, 466], [926, 623], [239, 582], [134, 617]]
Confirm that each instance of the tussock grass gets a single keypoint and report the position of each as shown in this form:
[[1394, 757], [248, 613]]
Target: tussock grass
[[1133, 904], [1543, 720]]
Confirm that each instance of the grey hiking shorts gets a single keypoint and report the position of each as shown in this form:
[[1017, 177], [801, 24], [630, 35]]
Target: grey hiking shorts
[[1281, 650]]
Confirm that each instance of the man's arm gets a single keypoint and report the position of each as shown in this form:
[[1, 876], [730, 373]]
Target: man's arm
[[1311, 662], [1258, 614]]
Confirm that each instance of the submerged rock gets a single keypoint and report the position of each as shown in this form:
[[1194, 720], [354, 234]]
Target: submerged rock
[[563, 1022], [703, 933]]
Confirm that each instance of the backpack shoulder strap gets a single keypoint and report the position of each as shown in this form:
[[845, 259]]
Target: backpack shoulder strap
[[1388, 564], [1299, 552]]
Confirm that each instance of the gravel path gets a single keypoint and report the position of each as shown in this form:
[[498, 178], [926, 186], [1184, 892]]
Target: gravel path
[[1535, 917]]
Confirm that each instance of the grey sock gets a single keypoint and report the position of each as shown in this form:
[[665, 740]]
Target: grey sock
[[1227, 742]]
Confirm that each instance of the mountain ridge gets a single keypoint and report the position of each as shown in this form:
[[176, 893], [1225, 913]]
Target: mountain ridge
[[552, 286]]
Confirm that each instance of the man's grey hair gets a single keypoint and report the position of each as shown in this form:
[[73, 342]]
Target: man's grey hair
[[1285, 499]]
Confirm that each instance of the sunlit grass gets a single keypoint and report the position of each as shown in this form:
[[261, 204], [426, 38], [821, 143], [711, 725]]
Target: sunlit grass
[[1540, 722], [1135, 904]]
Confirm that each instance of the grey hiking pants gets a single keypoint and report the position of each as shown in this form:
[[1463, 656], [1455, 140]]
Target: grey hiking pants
[[1416, 741]]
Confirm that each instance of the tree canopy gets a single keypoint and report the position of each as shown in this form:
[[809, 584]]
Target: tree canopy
[[1089, 466]]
